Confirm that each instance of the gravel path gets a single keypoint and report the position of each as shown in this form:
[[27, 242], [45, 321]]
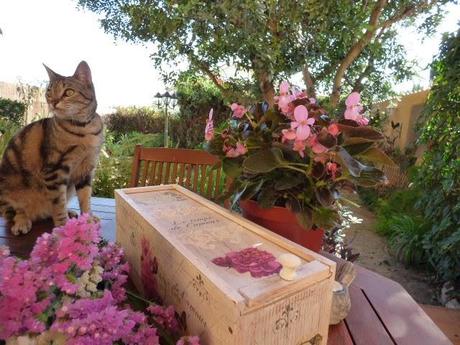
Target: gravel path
[[374, 255]]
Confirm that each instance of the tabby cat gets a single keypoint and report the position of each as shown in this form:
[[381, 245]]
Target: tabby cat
[[48, 160]]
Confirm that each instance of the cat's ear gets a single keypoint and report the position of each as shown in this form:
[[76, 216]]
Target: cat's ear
[[83, 73], [53, 75]]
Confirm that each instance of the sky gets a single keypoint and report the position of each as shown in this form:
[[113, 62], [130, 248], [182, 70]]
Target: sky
[[58, 34]]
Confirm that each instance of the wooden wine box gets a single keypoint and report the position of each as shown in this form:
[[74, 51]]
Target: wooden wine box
[[171, 237]]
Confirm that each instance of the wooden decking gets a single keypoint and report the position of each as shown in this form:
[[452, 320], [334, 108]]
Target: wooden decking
[[382, 311]]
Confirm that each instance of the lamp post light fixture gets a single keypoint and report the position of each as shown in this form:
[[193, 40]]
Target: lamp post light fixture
[[166, 99]]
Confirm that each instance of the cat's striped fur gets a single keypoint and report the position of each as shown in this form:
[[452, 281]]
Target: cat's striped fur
[[50, 159]]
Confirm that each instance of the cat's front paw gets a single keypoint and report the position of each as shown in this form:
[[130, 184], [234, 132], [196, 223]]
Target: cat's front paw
[[94, 219], [72, 214], [21, 226]]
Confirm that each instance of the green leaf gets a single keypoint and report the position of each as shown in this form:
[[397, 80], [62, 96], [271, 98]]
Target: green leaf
[[232, 167], [264, 161], [305, 218], [358, 148], [376, 155], [360, 132], [267, 198], [324, 217], [287, 182]]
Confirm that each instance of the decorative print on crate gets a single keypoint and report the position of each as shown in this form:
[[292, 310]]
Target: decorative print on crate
[[149, 269], [259, 263]]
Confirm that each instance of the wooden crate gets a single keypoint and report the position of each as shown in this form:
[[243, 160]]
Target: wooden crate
[[171, 235]]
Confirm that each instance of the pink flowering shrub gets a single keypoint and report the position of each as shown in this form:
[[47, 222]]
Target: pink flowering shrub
[[259, 263], [298, 155], [74, 284]]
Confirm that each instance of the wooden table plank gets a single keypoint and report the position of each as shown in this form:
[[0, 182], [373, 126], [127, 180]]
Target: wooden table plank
[[339, 335], [409, 325], [363, 324]]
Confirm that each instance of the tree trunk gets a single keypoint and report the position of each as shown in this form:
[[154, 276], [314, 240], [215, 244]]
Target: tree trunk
[[266, 86], [309, 83]]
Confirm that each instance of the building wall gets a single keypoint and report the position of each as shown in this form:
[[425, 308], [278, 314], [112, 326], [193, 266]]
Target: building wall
[[35, 96], [403, 118]]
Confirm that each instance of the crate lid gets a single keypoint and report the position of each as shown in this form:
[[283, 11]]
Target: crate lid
[[216, 241]]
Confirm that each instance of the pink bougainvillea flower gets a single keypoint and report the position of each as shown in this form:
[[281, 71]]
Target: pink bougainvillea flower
[[258, 263], [302, 123], [237, 151], [209, 130], [333, 129], [315, 146], [332, 168], [299, 146], [288, 134], [238, 110]]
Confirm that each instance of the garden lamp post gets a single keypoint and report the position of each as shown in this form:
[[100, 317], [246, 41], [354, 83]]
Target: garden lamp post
[[166, 99]]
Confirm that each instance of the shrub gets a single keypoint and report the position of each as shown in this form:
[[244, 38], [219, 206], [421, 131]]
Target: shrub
[[399, 202], [407, 238], [134, 119], [196, 96], [7, 129], [439, 173], [114, 169], [12, 110]]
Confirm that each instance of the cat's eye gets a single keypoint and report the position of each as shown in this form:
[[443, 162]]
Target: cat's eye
[[69, 92]]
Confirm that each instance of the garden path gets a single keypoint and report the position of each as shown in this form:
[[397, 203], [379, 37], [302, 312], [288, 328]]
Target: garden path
[[375, 256]]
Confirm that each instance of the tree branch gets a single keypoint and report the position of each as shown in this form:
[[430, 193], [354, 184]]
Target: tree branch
[[309, 81], [374, 25], [203, 66], [355, 50]]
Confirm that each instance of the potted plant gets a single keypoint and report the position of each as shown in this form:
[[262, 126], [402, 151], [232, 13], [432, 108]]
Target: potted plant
[[289, 162]]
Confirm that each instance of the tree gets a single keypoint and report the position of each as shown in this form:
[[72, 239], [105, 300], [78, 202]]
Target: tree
[[439, 172], [338, 45]]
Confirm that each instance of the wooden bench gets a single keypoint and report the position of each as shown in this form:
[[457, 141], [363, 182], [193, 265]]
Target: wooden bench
[[382, 311]]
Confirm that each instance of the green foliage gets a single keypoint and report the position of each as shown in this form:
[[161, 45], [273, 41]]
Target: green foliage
[[134, 119], [271, 40], [12, 110], [8, 129], [439, 173], [400, 202], [114, 169], [403, 225], [196, 96], [407, 238]]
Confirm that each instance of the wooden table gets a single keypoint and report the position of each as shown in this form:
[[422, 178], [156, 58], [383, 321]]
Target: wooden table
[[382, 311]]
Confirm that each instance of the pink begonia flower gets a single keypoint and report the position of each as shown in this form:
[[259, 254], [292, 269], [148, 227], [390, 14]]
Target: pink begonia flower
[[288, 134], [299, 146], [209, 130], [302, 123], [332, 169], [333, 129], [239, 150], [354, 109], [284, 87], [312, 100], [316, 147], [238, 110]]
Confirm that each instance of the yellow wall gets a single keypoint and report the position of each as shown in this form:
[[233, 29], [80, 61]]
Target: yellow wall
[[406, 113]]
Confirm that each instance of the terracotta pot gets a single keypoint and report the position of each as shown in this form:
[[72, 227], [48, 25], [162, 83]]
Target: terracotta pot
[[283, 222]]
